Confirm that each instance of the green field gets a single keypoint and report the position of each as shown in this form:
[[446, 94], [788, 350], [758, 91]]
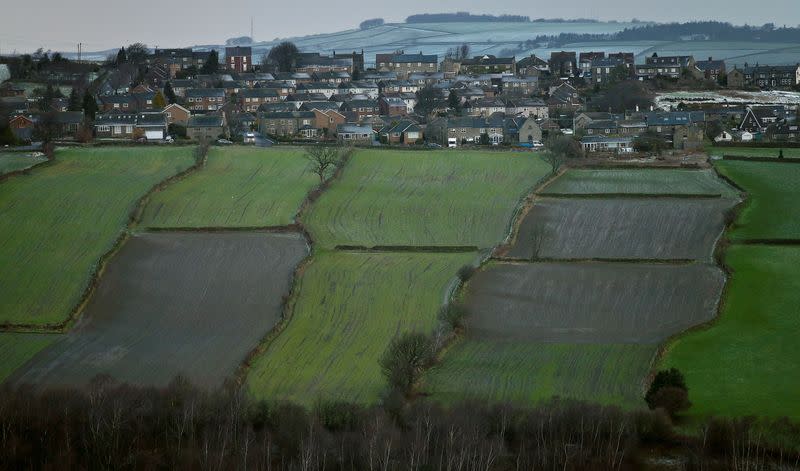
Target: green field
[[16, 349], [424, 198], [788, 153], [239, 187], [525, 373], [641, 182], [13, 161], [350, 306], [748, 362], [771, 211], [56, 224]]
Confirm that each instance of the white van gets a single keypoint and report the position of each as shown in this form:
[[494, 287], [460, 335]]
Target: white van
[[452, 142]]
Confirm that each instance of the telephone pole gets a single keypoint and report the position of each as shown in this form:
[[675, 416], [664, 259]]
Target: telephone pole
[[80, 45]]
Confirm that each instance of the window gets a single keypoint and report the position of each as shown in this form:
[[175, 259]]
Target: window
[[103, 128]]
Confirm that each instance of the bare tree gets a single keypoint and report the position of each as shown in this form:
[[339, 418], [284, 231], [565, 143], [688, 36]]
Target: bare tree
[[325, 159]]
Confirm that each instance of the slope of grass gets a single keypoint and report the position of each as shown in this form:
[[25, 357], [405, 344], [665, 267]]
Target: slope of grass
[[16, 349], [772, 211], [239, 187], [11, 162], [640, 181], [525, 373], [57, 223], [748, 362], [424, 198], [350, 306]]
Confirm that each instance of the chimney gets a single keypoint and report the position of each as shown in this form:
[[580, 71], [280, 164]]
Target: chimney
[[709, 58]]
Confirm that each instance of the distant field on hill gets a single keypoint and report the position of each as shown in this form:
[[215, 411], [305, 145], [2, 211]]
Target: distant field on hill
[[424, 198], [640, 181], [13, 161], [748, 361], [773, 152], [629, 228], [350, 306], [168, 304], [772, 211], [238, 187], [56, 223]]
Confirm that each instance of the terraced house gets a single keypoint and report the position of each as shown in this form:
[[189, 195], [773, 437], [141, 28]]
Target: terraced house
[[406, 64], [250, 99], [765, 76], [288, 123], [205, 99]]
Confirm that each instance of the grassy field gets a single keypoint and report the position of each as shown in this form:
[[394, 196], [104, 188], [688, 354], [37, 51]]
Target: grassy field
[[13, 161], [748, 362], [788, 153], [57, 223], [772, 211], [424, 198], [350, 306], [644, 182], [16, 349], [239, 187], [526, 373]]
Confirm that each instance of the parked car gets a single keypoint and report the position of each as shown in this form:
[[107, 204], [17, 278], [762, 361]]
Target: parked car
[[224, 141]]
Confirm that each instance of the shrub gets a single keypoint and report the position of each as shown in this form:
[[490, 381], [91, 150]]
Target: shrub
[[668, 380], [405, 359], [671, 399], [453, 315], [466, 272]]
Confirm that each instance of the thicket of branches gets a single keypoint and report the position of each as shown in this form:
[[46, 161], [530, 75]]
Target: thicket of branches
[[115, 426]]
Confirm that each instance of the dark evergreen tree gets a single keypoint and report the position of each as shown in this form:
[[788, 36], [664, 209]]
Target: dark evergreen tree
[[212, 64], [89, 106], [122, 56], [75, 103], [170, 93]]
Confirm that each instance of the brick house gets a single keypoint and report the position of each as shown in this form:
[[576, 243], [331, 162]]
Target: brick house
[[359, 109], [406, 64], [328, 120], [251, 98], [711, 69], [405, 131], [392, 106], [206, 127], [114, 125], [488, 64], [205, 99], [177, 114], [239, 58], [286, 123]]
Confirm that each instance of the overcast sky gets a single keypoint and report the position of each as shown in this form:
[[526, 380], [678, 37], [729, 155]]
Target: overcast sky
[[104, 24]]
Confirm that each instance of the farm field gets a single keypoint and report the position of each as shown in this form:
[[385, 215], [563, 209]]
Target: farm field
[[526, 373], [424, 198], [18, 348], [748, 361], [788, 153], [190, 304], [771, 211], [621, 228], [13, 161], [350, 306], [56, 224], [593, 302], [658, 182], [238, 187]]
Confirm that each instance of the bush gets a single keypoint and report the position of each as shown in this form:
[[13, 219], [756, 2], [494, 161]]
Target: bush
[[404, 360], [671, 399], [671, 381], [453, 315], [466, 272]]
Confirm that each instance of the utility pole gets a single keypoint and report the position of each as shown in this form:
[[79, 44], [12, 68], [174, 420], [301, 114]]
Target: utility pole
[[251, 30], [79, 52]]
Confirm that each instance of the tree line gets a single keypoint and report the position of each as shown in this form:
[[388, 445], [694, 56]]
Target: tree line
[[110, 425]]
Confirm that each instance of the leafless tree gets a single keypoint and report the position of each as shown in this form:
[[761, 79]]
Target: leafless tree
[[324, 160]]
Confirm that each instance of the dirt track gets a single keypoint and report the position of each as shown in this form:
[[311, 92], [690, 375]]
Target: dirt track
[[175, 303]]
